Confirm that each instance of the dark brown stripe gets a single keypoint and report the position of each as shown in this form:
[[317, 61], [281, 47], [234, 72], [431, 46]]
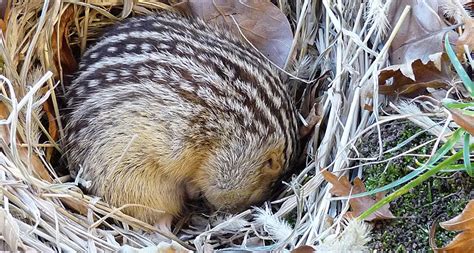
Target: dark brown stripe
[[245, 55]]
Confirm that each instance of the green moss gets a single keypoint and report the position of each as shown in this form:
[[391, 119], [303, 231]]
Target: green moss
[[438, 199], [401, 249], [291, 218]]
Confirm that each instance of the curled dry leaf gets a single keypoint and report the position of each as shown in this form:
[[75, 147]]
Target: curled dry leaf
[[463, 221], [464, 241], [311, 120], [413, 78], [310, 107], [261, 22], [463, 120], [310, 98], [342, 187], [63, 56]]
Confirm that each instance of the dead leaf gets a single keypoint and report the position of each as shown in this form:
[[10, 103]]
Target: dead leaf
[[36, 164], [63, 56], [467, 37], [417, 51], [311, 120], [4, 9], [304, 249], [463, 120], [3, 26], [464, 241], [342, 187], [413, 78], [310, 106], [422, 32], [463, 221], [262, 23], [4, 14], [76, 205], [368, 107], [310, 97], [52, 127]]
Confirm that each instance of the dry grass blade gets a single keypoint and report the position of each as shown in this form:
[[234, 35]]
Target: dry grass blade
[[341, 45]]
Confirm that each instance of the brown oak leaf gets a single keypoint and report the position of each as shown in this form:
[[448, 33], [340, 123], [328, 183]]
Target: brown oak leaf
[[413, 78], [464, 222], [342, 187], [261, 22]]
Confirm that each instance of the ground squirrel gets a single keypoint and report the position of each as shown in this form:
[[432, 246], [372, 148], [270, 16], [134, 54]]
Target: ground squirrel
[[164, 107]]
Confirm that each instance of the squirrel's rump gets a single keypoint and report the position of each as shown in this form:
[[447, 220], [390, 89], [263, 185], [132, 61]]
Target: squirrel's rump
[[163, 103]]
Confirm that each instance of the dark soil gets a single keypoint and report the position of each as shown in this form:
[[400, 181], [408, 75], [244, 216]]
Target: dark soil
[[437, 199]]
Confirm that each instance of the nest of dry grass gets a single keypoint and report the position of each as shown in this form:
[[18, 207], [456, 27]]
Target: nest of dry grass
[[42, 209]]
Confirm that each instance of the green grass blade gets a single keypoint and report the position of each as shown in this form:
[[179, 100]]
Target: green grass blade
[[457, 105], [468, 113], [450, 143], [458, 67], [455, 168], [450, 160], [406, 142], [467, 153]]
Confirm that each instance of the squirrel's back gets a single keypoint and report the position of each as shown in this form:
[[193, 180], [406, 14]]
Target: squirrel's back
[[159, 84]]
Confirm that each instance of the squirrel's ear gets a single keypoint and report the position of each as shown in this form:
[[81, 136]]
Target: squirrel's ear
[[270, 164], [274, 163]]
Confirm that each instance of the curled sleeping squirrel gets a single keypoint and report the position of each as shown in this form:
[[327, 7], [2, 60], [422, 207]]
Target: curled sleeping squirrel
[[164, 108]]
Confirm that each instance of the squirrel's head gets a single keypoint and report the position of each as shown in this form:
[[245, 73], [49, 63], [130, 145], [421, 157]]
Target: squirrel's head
[[242, 172]]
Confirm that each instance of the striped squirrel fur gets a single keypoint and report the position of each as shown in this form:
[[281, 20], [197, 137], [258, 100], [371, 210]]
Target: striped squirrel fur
[[164, 108]]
